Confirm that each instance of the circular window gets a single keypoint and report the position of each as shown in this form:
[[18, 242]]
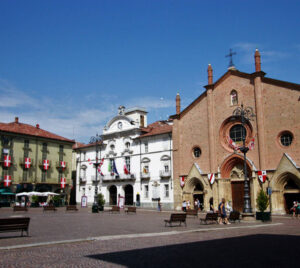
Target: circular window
[[196, 152], [286, 138], [237, 132], [112, 147]]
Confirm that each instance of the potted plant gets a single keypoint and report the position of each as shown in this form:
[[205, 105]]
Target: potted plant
[[101, 202], [34, 201], [262, 202], [56, 200]]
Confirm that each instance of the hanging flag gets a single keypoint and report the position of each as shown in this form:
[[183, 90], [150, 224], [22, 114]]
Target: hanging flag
[[7, 180], [90, 162], [232, 144], [115, 168], [182, 181], [63, 164], [7, 160], [262, 175], [63, 183], [27, 162], [109, 167], [211, 177], [46, 164], [251, 144], [126, 171], [99, 167], [145, 171]]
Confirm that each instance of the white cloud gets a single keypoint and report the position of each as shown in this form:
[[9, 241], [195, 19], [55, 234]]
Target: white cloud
[[72, 118]]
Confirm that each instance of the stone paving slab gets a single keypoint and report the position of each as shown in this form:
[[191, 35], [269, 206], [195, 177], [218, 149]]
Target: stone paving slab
[[61, 225], [142, 241], [268, 246]]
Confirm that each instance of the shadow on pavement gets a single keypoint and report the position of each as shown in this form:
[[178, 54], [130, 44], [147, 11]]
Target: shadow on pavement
[[246, 251]]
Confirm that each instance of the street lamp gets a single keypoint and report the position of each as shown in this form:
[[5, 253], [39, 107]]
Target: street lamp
[[245, 114], [95, 139]]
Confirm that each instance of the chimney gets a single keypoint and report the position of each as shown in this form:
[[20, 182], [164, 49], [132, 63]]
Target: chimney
[[210, 74], [177, 104], [257, 61], [37, 126], [17, 120]]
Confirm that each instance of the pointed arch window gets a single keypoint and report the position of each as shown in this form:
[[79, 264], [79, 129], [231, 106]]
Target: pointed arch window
[[234, 97]]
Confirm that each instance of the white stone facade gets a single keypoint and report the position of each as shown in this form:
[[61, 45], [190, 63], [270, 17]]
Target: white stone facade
[[148, 158]]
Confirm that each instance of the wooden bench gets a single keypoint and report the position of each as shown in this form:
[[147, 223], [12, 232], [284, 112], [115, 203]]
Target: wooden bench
[[71, 207], [14, 225], [130, 209], [176, 217], [192, 212], [234, 216], [114, 209], [49, 208], [210, 217], [19, 208]]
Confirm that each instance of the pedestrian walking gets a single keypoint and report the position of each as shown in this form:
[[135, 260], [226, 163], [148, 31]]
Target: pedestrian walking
[[184, 205], [222, 210]]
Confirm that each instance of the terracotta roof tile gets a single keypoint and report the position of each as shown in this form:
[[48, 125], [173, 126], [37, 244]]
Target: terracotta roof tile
[[156, 128], [79, 145], [25, 129]]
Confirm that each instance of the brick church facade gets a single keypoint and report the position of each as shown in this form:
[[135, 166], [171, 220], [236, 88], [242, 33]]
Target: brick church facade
[[202, 131]]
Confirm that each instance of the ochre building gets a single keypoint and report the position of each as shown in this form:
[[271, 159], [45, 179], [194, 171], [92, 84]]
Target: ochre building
[[33, 159], [203, 132]]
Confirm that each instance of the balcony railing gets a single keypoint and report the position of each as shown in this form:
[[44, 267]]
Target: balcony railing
[[110, 177], [164, 173], [82, 179], [145, 175]]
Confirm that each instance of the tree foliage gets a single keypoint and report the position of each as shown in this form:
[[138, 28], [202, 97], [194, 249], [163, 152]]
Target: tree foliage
[[262, 200]]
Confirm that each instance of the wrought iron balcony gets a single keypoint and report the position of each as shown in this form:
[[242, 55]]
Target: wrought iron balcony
[[145, 175], [164, 173]]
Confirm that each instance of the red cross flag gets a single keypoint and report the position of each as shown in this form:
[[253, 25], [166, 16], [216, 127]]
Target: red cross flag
[[99, 167], [251, 144], [7, 180], [63, 164], [182, 181], [46, 164], [63, 182], [262, 175], [7, 160], [27, 162], [232, 144], [211, 177]]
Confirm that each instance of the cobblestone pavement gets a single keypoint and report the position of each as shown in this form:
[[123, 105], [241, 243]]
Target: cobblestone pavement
[[235, 245]]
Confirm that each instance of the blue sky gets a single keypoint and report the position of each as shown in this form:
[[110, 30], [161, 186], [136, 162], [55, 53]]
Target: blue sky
[[68, 65]]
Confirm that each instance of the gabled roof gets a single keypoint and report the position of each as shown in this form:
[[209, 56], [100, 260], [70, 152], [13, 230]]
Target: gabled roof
[[25, 129], [243, 75], [156, 128]]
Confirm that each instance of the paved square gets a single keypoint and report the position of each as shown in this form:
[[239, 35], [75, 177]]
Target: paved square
[[84, 239]]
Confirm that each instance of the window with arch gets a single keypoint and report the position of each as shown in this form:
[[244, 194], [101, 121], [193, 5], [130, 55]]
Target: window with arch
[[127, 145], [233, 97]]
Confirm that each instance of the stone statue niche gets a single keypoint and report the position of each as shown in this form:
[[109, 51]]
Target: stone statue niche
[[237, 172]]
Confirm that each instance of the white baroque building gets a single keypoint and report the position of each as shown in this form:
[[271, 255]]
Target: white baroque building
[[136, 162]]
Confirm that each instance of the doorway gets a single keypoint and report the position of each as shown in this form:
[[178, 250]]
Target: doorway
[[128, 195], [113, 195], [237, 190]]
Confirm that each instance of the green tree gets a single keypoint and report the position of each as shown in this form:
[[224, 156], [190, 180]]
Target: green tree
[[101, 200], [262, 201]]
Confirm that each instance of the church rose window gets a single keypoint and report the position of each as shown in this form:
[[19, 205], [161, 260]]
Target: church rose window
[[197, 152], [286, 138], [236, 133]]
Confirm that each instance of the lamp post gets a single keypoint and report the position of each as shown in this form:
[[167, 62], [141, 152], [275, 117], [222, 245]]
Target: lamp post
[[95, 139], [245, 114]]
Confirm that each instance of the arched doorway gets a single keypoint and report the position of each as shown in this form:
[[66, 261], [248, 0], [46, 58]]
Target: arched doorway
[[113, 195], [291, 193], [198, 194], [128, 195], [233, 169]]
